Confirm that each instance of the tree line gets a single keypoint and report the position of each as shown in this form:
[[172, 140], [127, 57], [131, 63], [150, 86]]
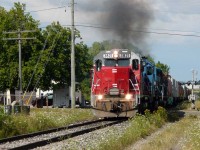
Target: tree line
[[46, 58]]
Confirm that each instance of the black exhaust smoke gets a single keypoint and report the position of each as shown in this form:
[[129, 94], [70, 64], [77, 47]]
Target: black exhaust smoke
[[128, 18], [125, 19]]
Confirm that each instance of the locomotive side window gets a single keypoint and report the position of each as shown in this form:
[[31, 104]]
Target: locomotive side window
[[149, 70], [135, 64], [98, 64]]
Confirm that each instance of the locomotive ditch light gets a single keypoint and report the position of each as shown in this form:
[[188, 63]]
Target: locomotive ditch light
[[100, 97], [128, 96]]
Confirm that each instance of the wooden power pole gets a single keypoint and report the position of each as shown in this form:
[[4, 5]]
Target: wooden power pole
[[19, 38], [72, 57]]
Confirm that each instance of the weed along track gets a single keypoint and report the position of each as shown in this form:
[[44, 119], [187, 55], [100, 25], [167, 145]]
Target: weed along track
[[31, 141], [180, 134]]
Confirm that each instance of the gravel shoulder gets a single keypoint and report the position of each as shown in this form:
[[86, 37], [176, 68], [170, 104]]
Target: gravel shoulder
[[89, 140]]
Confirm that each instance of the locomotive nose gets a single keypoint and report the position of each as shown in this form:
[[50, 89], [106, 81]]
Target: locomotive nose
[[116, 80]]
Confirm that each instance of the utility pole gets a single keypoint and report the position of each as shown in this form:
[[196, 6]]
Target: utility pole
[[19, 32], [72, 57], [20, 65], [193, 98]]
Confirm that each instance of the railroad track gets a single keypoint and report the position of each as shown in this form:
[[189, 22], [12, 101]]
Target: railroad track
[[38, 139]]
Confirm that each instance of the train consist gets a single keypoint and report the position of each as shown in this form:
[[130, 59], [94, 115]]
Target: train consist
[[124, 83]]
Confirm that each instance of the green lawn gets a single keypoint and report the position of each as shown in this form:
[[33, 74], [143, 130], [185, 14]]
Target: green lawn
[[40, 119]]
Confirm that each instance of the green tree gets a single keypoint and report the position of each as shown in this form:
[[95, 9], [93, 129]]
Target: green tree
[[86, 88], [165, 68], [96, 48], [151, 59], [56, 60], [51, 51], [14, 20]]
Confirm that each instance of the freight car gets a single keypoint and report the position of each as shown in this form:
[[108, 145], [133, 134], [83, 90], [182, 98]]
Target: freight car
[[124, 83]]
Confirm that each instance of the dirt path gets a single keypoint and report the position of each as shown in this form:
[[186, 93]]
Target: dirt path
[[143, 141], [170, 131]]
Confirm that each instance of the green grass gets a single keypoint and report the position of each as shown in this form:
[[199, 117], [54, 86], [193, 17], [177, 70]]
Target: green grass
[[197, 104], [192, 136], [40, 119], [141, 126], [170, 137], [184, 105]]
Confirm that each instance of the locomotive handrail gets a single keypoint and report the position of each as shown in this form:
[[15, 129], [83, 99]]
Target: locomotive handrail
[[138, 89], [95, 84], [92, 90], [92, 83]]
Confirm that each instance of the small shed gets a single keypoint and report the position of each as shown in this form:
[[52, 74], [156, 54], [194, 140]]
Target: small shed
[[62, 97]]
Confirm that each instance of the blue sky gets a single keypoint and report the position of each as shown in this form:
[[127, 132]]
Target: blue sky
[[181, 53]]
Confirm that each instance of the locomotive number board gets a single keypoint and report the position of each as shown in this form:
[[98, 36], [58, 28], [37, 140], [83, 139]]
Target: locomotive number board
[[120, 55]]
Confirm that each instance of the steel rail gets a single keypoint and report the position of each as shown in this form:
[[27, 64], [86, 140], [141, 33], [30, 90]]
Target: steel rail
[[63, 137], [19, 137]]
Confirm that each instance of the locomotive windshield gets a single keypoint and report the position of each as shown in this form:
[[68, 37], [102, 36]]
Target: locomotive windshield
[[118, 62]]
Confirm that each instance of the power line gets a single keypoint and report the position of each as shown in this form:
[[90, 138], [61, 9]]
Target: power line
[[33, 11], [140, 31], [158, 29], [99, 26], [162, 11]]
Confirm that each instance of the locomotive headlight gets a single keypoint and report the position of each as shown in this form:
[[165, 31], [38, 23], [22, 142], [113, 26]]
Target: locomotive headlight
[[115, 54], [100, 97], [128, 96]]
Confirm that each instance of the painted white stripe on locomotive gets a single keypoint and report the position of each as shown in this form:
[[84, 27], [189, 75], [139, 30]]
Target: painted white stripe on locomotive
[[114, 85], [114, 70]]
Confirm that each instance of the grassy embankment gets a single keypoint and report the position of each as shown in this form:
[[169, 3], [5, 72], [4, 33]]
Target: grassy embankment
[[186, 105], [183, 135], [142, 126], [40, 119]]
